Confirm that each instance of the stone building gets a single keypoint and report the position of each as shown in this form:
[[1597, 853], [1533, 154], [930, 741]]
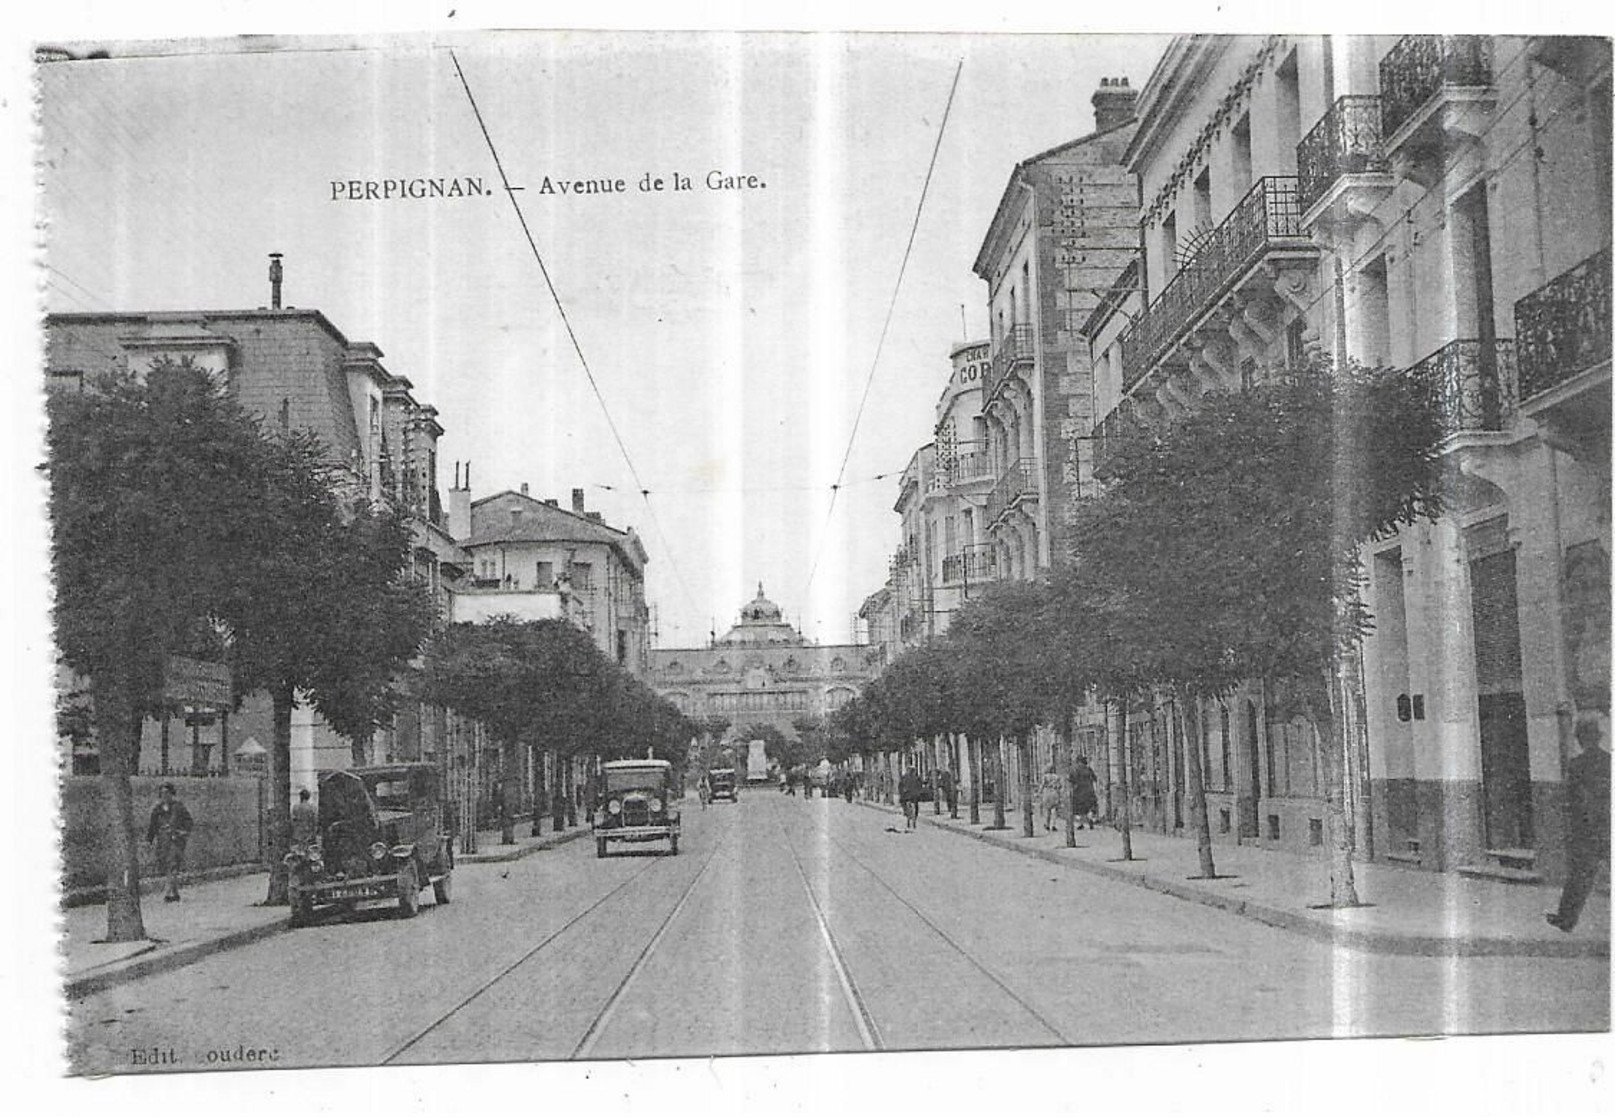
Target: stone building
[[1437, 204], [761, 671]]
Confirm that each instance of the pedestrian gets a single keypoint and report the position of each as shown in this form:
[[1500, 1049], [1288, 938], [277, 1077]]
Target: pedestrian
[[908, 793], [949, 790], [167, 832], [703, 790], [305, 819], [1048, 797], [1084, 800], [1586, 822], [848, 785]]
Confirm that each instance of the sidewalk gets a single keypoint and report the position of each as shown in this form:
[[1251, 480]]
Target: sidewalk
[[1410, 912], [217, 915]]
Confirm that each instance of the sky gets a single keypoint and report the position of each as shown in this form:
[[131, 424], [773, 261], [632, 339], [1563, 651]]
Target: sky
[[730, 333]]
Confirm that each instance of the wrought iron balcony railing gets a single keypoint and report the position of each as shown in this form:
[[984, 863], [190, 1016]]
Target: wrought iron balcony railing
[[1018, 482], [1110, 432], [1419, 66], [1269, 216], [976, 563], [974, 465], [1017, 346], [1474, 385], [1563, 327], [1347, 141]]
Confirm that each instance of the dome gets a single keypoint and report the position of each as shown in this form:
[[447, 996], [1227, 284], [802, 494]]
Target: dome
[[761, 622]]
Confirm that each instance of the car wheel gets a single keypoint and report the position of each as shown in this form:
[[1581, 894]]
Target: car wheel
[[409, 891], [599, 847], [440, 887], [673, 844]]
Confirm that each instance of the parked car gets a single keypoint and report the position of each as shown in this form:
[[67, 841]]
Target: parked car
[[636, 804], [724, 784], [384, 834]]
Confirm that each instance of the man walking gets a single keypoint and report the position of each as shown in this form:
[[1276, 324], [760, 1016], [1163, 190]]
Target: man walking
[[167, 832], [1586, 822], [908, 794], [949, 791]]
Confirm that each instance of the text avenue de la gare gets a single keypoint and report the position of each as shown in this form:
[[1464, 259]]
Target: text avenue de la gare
[[470, 186]]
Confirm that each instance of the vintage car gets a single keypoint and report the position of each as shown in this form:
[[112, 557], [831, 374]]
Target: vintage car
[[636, 804], [723, 783], [384, 833]]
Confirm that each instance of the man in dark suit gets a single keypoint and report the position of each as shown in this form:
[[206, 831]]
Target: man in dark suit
[[1586, 822], [168, 831]]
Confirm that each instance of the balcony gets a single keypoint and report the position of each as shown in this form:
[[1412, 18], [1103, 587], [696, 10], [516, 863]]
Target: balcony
[[972, 466], [1018, 483], [1018, 346], [1265, 227], [1342, 169], [1473, 384], [1109, 434], [1434, 89], [1563, 339], [1563, 327], [976, 563]]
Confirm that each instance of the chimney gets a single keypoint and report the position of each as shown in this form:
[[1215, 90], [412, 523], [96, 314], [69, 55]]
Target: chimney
[[274, 280], [524, 488], [552, 502], [1113, 103], [460, 503], [577, 501]]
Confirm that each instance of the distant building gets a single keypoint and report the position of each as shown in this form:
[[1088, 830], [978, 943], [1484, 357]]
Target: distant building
[[761, 671], [532, 559]]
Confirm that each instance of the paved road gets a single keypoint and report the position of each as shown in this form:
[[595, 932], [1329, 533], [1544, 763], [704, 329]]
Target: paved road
[[792, 926]]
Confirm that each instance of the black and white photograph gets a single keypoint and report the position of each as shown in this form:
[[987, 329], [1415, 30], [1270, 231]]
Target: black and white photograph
[[630, 545]]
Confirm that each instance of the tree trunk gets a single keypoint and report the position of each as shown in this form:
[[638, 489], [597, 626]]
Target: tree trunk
[[282, 700], [509, 790], [1123, 791], [1023, 753], [998, 787], [1332, 747], [1197, 785], [1070, 787], [117, 737], [538, 788], [973, 759]]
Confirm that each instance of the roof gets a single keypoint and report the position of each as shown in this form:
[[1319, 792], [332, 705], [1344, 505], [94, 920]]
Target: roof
[[540, 522], [1001, 215]]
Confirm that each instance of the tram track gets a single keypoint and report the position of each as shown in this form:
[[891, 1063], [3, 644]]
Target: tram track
[[964, 953], [549, 940]]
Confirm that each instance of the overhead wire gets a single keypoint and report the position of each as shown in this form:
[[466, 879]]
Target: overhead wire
[[891, 307], [571, 334]]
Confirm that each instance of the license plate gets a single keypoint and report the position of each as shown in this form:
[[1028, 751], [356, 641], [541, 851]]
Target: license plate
[[349, 893]]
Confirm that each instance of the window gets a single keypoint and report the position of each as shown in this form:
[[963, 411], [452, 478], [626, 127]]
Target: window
[[1288, 112], [1373, 305], [1169, 247], [1242, 156], [1202, 200], [582, 575], [546, 575]]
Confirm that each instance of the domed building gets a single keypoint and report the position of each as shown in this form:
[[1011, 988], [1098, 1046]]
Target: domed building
[[761, 671]]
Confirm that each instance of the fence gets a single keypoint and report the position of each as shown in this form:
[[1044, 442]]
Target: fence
[[227, 814]]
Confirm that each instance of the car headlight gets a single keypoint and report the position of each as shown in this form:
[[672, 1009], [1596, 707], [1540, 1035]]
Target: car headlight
[[599, 817], [378, 850], [655, 805], [615, 806]]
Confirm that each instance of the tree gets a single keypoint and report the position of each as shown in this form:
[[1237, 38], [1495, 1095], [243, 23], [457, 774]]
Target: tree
[[527, 681], [1232, 540], [323, 608], [155, 490]]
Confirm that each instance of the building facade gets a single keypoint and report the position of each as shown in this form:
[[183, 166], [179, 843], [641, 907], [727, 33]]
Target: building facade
[[1065, 224], [761, 671], [1439, 205]]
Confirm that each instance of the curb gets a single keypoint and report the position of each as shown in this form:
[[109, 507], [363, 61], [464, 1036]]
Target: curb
[[1378, 942], [93, 894], [146, 964], [516, 853], [155, 961]]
